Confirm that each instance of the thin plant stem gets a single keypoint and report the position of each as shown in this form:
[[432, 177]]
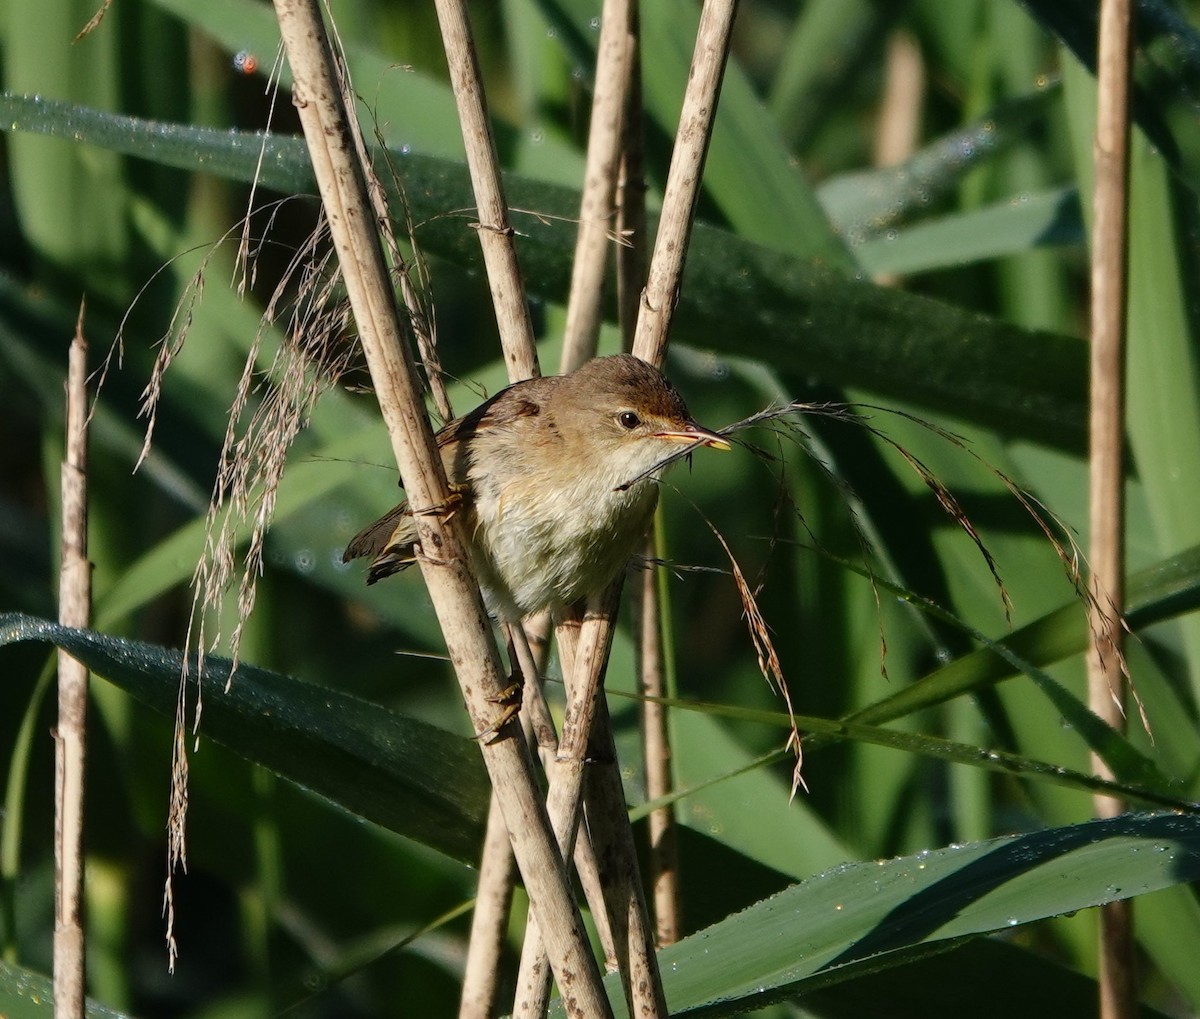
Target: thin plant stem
[[444, 566], [583, 669], [520, 355], [647, 595], [489, 920], [665, 273], [584, 652], [656, 752], [495, 231], [419, 320], [614, 67], [70, 742], [696, 120], [1106, 680], [658, 300], [597, 207], [608, 820], [899, 124], [631, 195]]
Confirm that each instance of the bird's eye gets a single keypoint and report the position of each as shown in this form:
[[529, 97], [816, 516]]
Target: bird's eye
[[628, 420]]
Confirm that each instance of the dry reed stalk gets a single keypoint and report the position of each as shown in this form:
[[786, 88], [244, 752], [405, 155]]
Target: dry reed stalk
[[1110, 245], [631, 195], [656, 746], [653, 324], [520, 355], [567, 772], [899, 124], [586, 759], [495, 232], [658, 301], [70, 738], [696, 120], [452, 589], [632, 934], [616, 855], [598, 204], [656, 753], [564, 801], [489, 921]]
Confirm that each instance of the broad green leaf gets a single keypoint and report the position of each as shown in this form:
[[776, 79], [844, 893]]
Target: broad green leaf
[[868, 917], [405, 775], [25, 328], [413, 111], [738, 297], [25, 994], [1018, 982], [74, 227]]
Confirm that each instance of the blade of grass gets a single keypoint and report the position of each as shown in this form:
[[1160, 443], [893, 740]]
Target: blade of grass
[[870, 916]]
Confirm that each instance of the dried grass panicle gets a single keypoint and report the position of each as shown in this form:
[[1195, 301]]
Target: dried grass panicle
[[1059, 536], [271, 404], [768, 658]]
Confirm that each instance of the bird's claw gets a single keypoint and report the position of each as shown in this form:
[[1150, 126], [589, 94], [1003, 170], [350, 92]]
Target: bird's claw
[[445, 510], [509, 699]]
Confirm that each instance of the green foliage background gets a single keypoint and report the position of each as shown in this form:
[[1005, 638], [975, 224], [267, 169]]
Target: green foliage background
[[293, 899]]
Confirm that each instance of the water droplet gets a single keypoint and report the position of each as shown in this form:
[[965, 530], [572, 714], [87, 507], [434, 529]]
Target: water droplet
[[304, 561], [594, 24]]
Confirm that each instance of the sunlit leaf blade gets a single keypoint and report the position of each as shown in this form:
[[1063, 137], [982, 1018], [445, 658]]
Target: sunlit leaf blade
[[863, 203], [739, 297], [405, 775], [871, 916], [1006, 228]]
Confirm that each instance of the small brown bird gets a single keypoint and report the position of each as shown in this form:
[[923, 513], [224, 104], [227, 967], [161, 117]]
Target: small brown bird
[[556, 481]]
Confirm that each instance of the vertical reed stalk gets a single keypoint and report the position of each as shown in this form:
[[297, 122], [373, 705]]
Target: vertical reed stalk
[[445, 569], [1106, 681], [70, 743]]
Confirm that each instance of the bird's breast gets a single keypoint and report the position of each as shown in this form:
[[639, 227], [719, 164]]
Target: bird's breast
[[542, 543]]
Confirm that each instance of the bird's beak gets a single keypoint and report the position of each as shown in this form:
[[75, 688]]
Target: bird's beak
[[693, 434]]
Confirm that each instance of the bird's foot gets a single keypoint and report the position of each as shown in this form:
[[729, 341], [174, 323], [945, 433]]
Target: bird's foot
[[509, 700], [445, 510]]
